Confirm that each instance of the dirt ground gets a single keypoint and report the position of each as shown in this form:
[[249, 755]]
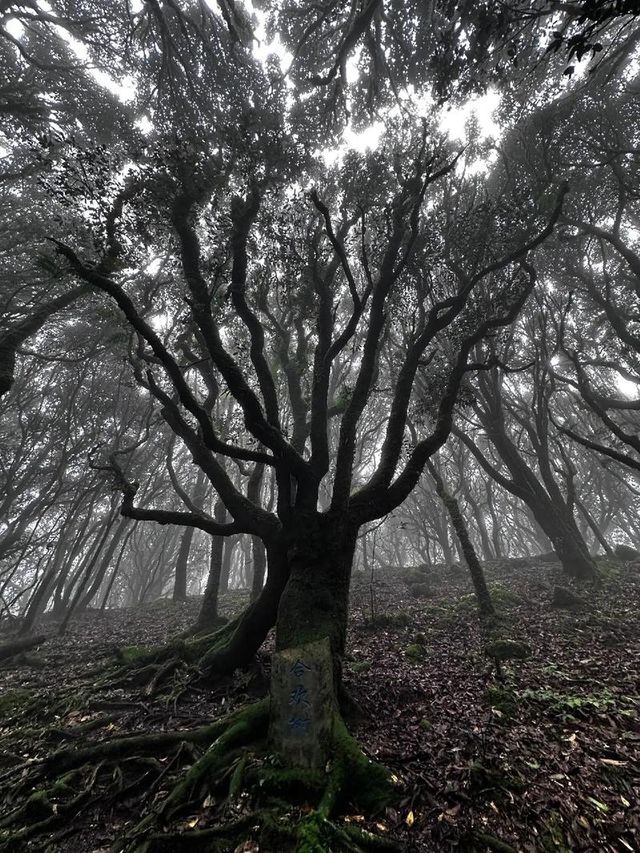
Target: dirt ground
[[546, 758]]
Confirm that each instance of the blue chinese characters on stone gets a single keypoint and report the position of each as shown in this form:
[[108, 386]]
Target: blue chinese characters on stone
[[299, 725], [298, 695], [298, 668]]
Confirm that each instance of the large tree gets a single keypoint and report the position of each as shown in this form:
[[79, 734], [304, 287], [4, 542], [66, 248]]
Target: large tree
[[285, 292], [336, 310]]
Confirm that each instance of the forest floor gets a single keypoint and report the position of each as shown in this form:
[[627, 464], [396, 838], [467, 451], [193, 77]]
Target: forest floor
[[545, 759]]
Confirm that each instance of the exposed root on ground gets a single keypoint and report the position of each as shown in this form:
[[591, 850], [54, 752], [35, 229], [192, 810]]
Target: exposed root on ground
[[223, 773], [192, 654], [289, 809], [20, 645]]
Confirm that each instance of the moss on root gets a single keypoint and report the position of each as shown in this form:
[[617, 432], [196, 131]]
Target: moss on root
[[150, 667], [249, 725], [349, 777], [287, 782], [353, 775], [229, 759]]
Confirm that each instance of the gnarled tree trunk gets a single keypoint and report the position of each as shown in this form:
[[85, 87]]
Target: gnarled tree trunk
[[311, 633]]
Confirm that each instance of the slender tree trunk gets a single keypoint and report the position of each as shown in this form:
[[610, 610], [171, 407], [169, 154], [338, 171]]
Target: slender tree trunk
[[485, 605], [442, 532], [209, 618], [243, 572], [116, 539], [116, 568], [495, 527], [594, 527], [44, 588], [181, 580], [227, 559], [66, 560], [145, 588], [84, 579], [551, 512], [536, 535], [182, 564], [478, 512], [259, 566], [68, 580]]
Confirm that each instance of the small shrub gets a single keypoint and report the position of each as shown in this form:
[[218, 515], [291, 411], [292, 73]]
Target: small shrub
[[389, 620], [503, 700], [415, 652], [361, 666], [502, 650]]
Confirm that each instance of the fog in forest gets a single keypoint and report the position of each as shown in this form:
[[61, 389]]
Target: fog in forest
[[319, 426]]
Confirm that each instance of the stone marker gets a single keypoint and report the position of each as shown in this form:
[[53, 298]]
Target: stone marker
[[302, 704]]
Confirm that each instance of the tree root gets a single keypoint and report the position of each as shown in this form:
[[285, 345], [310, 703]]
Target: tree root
[[190, 650], [351, 775], [275, 819], [493, 843], [152, 667], [39, 815], [238, 731], [208, 840], [69, 758], [252, 794], [25, 713], [19, 646], [54, 733]]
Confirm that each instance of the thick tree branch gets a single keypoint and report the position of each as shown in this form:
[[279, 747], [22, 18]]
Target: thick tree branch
[[12, 338], [373, 502], [170, 365], [254, 417]]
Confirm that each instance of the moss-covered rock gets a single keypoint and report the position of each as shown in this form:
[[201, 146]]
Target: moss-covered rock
[[360, 666], [422, 590], [501, 596], [505, 649], [415, 575], [132, 654], [503, 700], [415, 652], [402, 619]]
